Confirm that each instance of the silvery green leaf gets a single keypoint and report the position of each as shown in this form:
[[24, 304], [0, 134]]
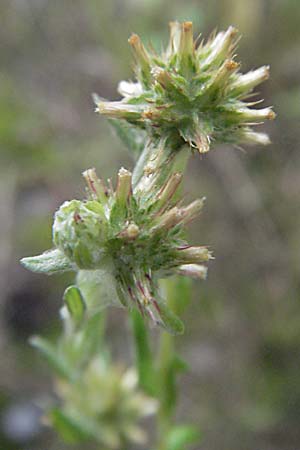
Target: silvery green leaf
[[49, 262], [75, 303]]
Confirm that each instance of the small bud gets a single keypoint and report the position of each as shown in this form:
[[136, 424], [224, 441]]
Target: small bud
[[128, 89], [95, 185], [168, 190], [175, 36], [119, 110], [142, 60], [186, 48], [202, 141], [196, 271], [163, 77], [219, 82], [221, 47], [245, 83], [123, 190], [130, 233], [193, 254], [168, 220], [251, 137], [255, 115], [192, 210]]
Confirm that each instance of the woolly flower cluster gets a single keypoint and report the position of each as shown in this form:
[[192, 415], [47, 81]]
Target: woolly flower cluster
[[191, 93], [105, 405], [133, 236], [140, 240]]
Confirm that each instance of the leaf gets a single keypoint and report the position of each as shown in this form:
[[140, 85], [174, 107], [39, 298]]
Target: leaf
[[178, 292], [67, 426], [75, 303], [170, 321], [179, 364], [76, 427], [53, 357], [182, 435], [133, 139], [49, 262], [92, 336]]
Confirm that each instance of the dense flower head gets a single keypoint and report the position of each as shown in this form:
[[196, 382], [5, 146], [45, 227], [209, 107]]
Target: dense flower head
[[139, 238], [192, 93], [123, 240], [104, 404]]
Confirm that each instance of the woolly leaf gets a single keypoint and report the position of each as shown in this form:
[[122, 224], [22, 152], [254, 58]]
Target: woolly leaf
[[49, 262]]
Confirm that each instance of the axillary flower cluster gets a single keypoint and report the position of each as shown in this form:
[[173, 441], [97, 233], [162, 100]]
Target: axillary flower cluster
[[135, 233]]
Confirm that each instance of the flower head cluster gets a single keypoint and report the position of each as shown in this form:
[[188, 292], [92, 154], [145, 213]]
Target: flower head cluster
[[142, 239], [192, 93], [138, 236], [104, 405]]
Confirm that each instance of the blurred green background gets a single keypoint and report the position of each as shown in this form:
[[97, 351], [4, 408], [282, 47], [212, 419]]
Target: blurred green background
[[243, 326]]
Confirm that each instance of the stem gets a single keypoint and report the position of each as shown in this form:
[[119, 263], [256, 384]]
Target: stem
[[143, 354], [157, 162], [177, 292], [167, 386]]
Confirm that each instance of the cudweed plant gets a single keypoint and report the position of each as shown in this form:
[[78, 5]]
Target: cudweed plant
[[127, 244]]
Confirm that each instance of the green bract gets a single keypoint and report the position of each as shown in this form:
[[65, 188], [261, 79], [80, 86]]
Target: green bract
[[191, 93]]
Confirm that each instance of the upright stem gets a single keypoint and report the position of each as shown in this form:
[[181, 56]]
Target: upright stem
[[167, 388], [177, 292]]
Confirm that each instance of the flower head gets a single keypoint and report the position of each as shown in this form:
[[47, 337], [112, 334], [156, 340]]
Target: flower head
[[192, 93], [131, 236], [103, 404]]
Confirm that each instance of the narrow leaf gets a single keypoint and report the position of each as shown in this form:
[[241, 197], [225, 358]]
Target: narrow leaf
[[133, 139], [170, 321], [92, 336], [178, 292], [181, 436], [75, 303], [50, 262], [67, 427], [52, 355]]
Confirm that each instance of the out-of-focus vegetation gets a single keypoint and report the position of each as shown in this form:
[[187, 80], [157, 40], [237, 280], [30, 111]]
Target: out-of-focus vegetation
[[243, 334]]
